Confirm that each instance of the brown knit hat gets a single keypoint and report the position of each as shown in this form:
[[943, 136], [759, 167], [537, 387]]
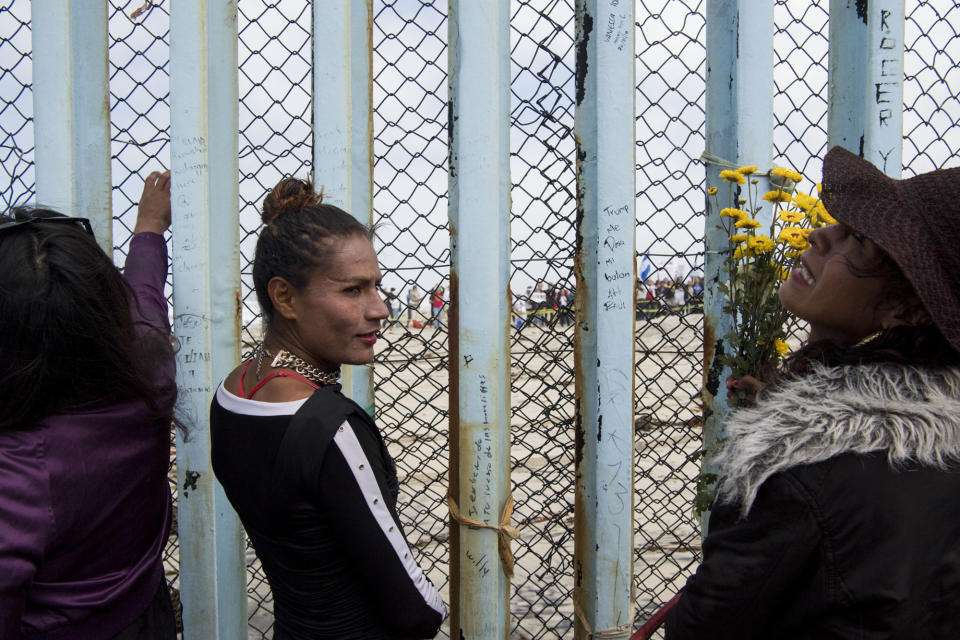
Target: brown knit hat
[[916, 221]]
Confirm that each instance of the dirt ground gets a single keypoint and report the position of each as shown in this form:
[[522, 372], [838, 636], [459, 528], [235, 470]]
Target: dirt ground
[[411, 371]]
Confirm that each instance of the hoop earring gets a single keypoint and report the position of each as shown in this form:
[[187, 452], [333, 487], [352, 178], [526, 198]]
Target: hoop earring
[[870, 338]]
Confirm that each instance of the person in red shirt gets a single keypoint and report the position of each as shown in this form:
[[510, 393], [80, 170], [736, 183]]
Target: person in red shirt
[[436, 305]]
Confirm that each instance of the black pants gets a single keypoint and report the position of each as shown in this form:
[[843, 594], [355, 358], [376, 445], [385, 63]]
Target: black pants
[[157, 621]]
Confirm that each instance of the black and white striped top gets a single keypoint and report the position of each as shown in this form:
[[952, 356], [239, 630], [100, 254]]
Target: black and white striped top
[[316, 491]]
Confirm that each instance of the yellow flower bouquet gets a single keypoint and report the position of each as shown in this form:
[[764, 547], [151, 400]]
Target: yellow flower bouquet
[[759, 258]]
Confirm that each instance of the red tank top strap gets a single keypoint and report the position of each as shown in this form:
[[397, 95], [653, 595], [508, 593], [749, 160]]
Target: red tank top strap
[[280, 374], [243, 372], [294, 374]]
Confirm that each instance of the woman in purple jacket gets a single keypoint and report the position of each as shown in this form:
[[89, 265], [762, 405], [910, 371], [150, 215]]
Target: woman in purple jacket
[[87, 379]]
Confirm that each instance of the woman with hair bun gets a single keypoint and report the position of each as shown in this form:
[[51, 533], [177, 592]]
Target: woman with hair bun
[[87, 394], [304, 466], [838, 506]]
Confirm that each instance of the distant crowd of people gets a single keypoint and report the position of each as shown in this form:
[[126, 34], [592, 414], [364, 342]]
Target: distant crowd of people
[[667, 293], [539, 305], [543, 305], [436, 300], [416, 308]]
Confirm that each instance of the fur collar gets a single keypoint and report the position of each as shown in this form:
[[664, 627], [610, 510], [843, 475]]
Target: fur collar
[[911, 413]]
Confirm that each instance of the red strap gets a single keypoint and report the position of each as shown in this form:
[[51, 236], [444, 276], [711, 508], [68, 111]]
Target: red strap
[[280, 374], [656, 620], [243, 372], [275, 374]]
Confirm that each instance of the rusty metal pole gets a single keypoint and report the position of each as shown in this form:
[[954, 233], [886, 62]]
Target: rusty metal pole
[[343, 130], [865, 114], [605, 307], [479, 49], [71, 106], [206, 303], [739, 131]]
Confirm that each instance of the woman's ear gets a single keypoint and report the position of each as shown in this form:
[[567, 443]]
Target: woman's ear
[[909, 311], [283, 296]]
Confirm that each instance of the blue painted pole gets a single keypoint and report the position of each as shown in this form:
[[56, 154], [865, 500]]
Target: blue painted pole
[[71, 109], [206, 303], [343, 130], [605, 306], [739, 129], [865, 114], [479, 49]]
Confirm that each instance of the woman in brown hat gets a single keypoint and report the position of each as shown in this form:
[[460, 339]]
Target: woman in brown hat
[[838, 508]]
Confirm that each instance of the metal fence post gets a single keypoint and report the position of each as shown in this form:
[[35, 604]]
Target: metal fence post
[[206, 303], [739, 130], [343, 130], [865, 114], [605, 306], [71, 106], [479, 49]]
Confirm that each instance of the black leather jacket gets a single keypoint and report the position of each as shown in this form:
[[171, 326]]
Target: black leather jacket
[[839, 515]]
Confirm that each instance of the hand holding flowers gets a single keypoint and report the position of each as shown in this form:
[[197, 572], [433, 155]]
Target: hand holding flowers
[[759, 258], [757, 261]]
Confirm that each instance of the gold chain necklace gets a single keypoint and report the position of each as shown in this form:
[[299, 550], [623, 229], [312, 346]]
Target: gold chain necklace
[[286, 360], [261, 351]]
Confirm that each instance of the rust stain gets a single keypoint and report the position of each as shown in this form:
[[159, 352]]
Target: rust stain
[[585, 25], [581, 155], [453, 371], [581, 325], [862, 10], [237, 307], [370, 136], [136, 13], [712, 351], [190, 480], [505, 353], [709, 336]]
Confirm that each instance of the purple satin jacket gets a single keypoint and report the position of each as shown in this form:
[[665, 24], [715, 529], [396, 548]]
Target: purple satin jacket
[[85, 502]]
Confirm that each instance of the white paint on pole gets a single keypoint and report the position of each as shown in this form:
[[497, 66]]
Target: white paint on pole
[[72, 110], [606, 303], [865, 113], [883, 138], [479, 49], [204, 178], [343, 130], [846, 64], [739, 131]]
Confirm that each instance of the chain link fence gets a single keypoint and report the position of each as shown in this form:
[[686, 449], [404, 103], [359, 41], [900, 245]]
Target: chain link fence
[[671, 87], [16, 104], [410, 200]]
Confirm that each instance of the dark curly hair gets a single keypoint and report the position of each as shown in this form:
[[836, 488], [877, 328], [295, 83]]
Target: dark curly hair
[[66, 330], [922, 345], [298, 236]]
